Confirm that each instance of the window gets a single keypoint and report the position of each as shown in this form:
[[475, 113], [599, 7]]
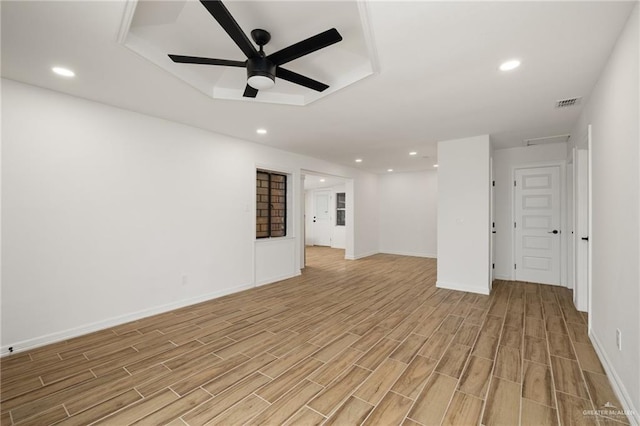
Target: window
[[341, 206], [271, 204]]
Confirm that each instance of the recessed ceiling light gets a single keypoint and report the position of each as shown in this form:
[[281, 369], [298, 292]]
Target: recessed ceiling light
[[64, 72], [322, 180], [358, 160], [389, 170], [510, 65], [261, 131], [435, 165], [413, 153]]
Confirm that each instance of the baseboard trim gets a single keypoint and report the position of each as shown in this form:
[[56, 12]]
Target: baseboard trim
[[618, 387], [278, 278], [409, 253], [502, 277], [361, 256], [59, 336], [461, 287]]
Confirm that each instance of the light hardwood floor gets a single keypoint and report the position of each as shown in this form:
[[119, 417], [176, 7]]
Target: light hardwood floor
[[371, 341]]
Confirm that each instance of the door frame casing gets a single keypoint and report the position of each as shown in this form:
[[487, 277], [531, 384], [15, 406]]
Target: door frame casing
[[562, 164]]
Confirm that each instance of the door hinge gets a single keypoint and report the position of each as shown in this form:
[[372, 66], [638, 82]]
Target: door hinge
[[515, 266], [514, 183], [493, 266], [493, 183], [514, 224], [493, 224]]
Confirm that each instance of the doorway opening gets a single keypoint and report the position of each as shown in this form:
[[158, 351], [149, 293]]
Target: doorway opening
[[325, 212]]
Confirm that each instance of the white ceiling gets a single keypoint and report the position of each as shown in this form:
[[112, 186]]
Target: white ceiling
[[157, 28], [316, 181], [438, 74]]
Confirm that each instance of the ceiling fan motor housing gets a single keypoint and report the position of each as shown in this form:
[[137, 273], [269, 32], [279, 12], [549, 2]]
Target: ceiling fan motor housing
[[258, 70]]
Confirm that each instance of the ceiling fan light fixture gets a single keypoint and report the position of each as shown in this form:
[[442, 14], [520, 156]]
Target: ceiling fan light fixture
[[261, 73], [261, 82]]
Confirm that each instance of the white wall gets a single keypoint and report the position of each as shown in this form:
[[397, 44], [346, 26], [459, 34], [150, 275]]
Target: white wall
[[613, 110], [273, 260], [463, 214], [408, 213], [504, 160], [364, 205], [110, 215]]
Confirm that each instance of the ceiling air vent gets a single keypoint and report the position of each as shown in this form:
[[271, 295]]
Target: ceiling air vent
[[564, 103], [547, 139]]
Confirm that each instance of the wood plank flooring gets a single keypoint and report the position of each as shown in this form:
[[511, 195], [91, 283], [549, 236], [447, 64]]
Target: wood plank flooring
[[371, 341]]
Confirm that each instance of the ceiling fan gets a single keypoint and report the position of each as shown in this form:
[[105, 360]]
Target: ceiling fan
[[262, 69]]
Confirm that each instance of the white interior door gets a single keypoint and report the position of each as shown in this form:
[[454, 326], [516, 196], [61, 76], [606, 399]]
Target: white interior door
[[537, 225], [493, 226], [580, 294], [322, 218], [570, 223]]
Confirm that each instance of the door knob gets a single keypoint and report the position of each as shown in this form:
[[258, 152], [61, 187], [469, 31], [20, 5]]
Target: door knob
[[555, 231]]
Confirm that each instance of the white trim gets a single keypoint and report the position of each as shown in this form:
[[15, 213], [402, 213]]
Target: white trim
[[115, 321], [618, 386], [127, 18], [409, 253], [502, 277], [369, 38], [360, 256], [272, 280], [462, 287], [274, 240]]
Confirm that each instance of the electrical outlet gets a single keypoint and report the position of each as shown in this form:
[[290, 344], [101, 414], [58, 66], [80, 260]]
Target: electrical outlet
[[619, 339]]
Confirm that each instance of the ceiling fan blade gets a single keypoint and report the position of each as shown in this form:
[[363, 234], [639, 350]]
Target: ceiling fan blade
[[206, 61], [250, 92], [226, 21], [296, 78], [304, 47]]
